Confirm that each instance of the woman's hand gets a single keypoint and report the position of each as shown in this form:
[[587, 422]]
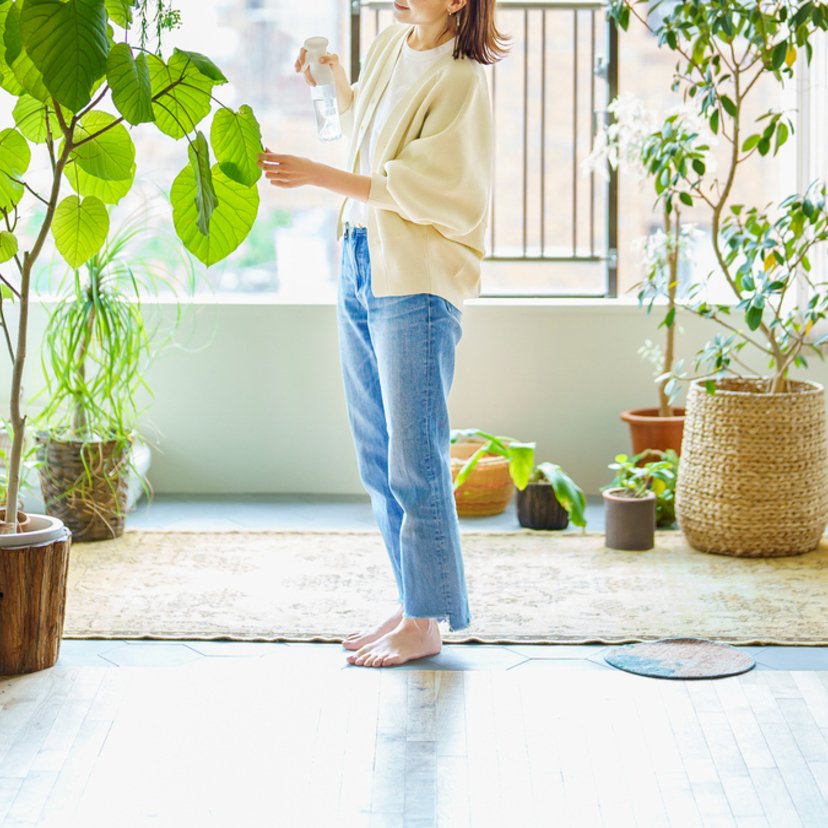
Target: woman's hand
[[288, 171], [327, 59]]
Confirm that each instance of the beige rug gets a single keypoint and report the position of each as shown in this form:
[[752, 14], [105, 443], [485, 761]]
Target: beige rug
[[523, 587]]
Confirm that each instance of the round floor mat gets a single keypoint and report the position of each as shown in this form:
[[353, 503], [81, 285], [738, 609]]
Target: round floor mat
[[680, 658]]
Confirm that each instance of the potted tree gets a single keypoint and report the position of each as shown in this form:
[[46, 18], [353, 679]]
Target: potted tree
[[550, 500], [634, 142], [745, 428], [62, 61], [96, 348], [630, 501], [486, 470]]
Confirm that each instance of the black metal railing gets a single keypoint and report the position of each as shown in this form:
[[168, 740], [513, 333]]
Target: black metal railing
[[548, 97]]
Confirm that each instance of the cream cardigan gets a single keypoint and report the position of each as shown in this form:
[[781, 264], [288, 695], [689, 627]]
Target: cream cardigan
[[431, 174]]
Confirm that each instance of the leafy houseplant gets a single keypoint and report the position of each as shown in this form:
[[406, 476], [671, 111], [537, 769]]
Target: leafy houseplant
[[636, 476], [764, 256], [62, 62], [636, 143], [96, 347], [486, 469], [550, 499]]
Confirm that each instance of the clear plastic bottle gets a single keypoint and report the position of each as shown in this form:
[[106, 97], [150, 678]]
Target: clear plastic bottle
[[324, 93]]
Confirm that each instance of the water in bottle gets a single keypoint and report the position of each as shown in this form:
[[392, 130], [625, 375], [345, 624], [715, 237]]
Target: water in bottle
[[324, 93]]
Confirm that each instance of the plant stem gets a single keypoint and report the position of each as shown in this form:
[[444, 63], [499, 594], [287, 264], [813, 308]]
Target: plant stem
[[17, 419], [664, 408]]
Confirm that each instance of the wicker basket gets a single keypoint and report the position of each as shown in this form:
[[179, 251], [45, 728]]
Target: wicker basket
[[753, 479], [93, 509], [488, 489]]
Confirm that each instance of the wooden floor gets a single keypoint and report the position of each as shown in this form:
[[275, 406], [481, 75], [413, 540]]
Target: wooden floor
[[294, 740]]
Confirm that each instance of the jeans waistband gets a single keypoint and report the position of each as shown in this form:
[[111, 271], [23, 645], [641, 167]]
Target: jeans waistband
[[353, 229]]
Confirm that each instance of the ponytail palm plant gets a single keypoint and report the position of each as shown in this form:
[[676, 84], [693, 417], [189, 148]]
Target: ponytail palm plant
[[97, 344]]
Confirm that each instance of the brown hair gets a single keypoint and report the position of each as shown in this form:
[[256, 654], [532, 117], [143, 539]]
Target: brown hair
[[477, 34]]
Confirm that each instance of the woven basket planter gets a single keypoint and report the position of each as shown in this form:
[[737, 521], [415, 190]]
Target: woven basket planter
[[93, 506], [753, 479], [488, 489]]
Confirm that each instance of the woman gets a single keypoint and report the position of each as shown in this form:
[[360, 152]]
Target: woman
[[414, 222]]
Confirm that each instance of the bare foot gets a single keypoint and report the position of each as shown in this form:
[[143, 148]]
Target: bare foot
[[412, 638], [356, 641]]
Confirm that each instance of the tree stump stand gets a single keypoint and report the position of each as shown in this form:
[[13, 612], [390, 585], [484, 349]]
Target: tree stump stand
[[32, 605]]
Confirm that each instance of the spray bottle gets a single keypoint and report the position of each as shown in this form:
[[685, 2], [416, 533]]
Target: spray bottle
[[324, 93]]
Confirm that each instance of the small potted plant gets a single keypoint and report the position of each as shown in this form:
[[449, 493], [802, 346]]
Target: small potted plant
[[550, 500], [486, 469], [630, 501]]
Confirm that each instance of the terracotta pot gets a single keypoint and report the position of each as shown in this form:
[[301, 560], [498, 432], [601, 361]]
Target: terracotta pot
[[649, 431], [538, 508], [630, 521]]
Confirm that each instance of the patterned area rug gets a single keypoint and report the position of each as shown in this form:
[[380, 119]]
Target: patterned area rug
[[524, 587]]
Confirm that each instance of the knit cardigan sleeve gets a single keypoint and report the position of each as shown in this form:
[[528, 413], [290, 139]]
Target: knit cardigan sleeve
[[443, 176], [346, 118]]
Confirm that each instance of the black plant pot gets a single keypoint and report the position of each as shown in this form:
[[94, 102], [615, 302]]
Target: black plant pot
[[630, 520], [539, 509]]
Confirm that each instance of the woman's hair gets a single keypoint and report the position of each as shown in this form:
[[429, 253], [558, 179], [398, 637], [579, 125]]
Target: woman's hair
[[477, 34]]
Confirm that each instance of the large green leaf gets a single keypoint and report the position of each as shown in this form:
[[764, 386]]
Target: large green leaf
[[8, 246], [9, 81], [120, 11], [230, 223], [181, 94], [129, 80], [206, 201], [15, 156], [237, 140], [205, 66], [30, 118], [110, 192], [567, 493], [21, 75], [111, 154], [68, 43], [80, 229]]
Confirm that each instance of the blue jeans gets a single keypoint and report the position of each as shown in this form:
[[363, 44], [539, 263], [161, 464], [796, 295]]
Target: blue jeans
[[398, 364]]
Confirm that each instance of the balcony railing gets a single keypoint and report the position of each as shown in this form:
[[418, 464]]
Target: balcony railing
[[548, 98]]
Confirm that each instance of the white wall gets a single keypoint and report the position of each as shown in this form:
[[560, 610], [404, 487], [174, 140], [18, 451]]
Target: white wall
[[256, 405]]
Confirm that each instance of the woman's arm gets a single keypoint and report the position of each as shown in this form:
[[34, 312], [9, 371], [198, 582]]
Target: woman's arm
[[288, 171]]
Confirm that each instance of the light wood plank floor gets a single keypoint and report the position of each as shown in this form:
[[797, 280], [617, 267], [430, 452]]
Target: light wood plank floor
[[292, 739]]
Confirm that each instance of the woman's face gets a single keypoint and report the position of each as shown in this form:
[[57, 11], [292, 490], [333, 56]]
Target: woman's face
[[421, 11]]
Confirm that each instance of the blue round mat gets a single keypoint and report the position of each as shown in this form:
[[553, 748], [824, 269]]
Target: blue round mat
[[680, 658]]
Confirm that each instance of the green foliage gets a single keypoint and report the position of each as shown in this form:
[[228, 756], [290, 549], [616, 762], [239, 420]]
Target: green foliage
[[61, 60], [68, 45], [80, 228], [521, 456], [724, 50], [237, 141], [129, 79], [658, 476], [230, 222], [97, 344], [567, 492]]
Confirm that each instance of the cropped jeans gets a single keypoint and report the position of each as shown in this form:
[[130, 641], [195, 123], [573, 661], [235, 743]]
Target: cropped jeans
[[398, 364]]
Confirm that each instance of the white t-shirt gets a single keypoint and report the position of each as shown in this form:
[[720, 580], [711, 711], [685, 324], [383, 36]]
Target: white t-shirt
[[409, 68]]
